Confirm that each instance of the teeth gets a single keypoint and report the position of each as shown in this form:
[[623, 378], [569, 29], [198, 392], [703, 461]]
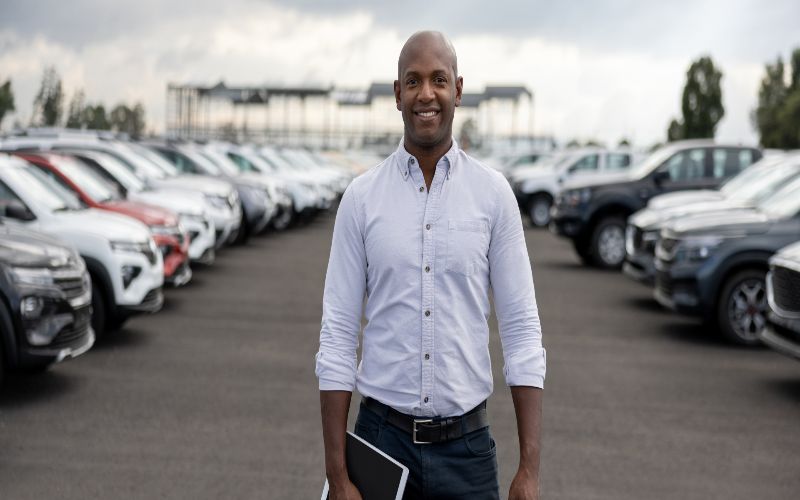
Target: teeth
[[427, 114]]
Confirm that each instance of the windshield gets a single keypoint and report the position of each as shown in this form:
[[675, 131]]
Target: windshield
[[763, 186], [221, 161], [155, 159], [87, 180], [749, 174], [278, 163], [785, 203], [203, 163], [651, 162], [47, 193], [120, 172]]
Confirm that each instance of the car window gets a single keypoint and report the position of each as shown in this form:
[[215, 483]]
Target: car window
[[586, 164], [726, 162], [686, 165], [618, 161], [7, 197]]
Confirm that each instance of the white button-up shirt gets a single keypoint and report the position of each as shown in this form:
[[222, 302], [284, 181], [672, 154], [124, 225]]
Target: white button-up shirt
[[425, 260]]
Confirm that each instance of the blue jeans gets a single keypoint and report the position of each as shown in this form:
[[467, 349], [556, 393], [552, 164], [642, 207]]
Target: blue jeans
[[464, 468]]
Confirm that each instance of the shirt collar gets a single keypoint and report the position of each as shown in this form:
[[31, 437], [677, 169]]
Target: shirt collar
[[404, 159]]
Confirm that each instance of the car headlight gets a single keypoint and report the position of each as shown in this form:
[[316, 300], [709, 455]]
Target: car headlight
[[148, 249], [697, 248], [217, 201], [577, 197], [32, 276]]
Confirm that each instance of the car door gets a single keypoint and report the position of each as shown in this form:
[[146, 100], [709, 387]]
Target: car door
[[686, 169]]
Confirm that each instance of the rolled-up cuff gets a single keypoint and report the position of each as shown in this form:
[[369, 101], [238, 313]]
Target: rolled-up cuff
[[526, 368], [335, 371]]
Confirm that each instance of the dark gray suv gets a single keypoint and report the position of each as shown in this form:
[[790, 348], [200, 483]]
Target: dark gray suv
[[715, 265]]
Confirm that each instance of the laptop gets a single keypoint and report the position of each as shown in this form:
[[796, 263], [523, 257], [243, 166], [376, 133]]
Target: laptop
[[376, 475]]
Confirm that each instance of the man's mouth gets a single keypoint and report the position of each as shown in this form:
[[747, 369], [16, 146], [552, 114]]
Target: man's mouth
[[426, 114]]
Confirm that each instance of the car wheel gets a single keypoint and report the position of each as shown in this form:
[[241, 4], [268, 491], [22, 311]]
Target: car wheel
[[99, 309], [608, 243], [742, 307], [539, 210], [243, 233], [284, 219], [582, 249]]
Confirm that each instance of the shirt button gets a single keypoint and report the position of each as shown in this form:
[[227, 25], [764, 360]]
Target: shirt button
[[427, 356], [428, 227], [427, 313], [427, 269], [412, 160], [426, 399], [421, 189]]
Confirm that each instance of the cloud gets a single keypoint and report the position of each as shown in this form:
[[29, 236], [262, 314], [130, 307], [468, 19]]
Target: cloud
[[600, 71]]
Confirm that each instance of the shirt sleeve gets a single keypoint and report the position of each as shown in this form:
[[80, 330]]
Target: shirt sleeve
[[342, 302], [514, 297]]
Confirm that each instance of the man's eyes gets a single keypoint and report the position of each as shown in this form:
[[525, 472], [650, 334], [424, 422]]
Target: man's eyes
[[437, 81]]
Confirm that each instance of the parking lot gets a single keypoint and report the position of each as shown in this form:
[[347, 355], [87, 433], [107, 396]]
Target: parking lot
[[215, 397]]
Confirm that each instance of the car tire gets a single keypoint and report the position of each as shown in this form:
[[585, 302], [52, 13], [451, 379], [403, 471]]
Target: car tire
[[742, 307], [608, 243], [582, 249], [243, 233], [539, 209], [284, 219], [100, 312]]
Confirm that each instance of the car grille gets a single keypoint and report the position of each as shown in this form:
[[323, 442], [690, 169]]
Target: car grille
[[75, 330], [72, 286], [667, 249], [786, 288], [152, 297], [664, 283]]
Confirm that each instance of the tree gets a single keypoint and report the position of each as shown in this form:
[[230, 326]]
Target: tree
[[75, 110], [49, 100], [623, 143], [573, 144], [95, 118], [701, 102], [128, 120], [777, 116], [6, 100]]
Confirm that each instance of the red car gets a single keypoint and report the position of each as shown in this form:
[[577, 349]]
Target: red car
[[95, 192]]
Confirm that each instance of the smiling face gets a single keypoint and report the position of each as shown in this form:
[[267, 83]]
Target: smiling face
[[427, 91]]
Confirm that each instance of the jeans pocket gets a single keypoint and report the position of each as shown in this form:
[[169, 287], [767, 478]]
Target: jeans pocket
[[480, 443]]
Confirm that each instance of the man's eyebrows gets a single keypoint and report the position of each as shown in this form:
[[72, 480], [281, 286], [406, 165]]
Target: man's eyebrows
[[417, 74]]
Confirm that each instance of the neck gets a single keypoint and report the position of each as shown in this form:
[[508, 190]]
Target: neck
[[428, 157]]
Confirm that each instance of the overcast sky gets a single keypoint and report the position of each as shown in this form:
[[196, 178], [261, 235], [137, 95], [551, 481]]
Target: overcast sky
[[598, 70]]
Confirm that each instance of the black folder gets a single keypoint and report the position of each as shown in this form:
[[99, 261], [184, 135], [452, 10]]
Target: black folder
[[376, 475]]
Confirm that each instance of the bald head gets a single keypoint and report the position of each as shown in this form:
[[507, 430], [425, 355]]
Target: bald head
[[430, 42]]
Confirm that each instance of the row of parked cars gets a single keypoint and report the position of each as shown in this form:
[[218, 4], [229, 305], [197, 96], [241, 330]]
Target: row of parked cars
[[712, 229], [92, 228]]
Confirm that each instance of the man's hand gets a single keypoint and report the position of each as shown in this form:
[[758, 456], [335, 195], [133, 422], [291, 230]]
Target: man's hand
[[524, 487], [343, 491]]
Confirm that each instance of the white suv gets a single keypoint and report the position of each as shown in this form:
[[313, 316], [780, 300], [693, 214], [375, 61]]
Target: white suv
[[125, 265], [537, 185]]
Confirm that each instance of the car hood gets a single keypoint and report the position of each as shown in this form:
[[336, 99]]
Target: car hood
[[532, 172], [651, 219], [683, 197], [791, 252], [202, 183], [176, 200], [114, 227], [592, 180], [148, 214], [22, 247], [727, 223]]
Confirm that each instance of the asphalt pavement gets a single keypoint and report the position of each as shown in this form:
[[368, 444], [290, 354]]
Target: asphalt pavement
[[215, 397]]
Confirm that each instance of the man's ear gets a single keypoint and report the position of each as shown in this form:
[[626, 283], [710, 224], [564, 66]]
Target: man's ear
[[459, 89], [397, 94]]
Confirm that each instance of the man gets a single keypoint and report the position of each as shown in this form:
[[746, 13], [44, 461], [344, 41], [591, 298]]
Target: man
[[424, 235]]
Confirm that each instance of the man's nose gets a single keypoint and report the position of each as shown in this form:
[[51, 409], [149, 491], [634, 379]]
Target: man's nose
[[426, 92]]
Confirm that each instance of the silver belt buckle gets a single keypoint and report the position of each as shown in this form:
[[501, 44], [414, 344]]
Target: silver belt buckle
[[414, 430]]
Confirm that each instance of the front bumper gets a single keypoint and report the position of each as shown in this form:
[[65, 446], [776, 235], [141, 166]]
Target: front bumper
[[641, 268], [202, 239], [174, 252], [181, 276], [782, 335], [226, 225], [566, 221], [678, 289], [152, 302]]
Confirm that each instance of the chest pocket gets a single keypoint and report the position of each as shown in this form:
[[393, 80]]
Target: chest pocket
[[467, 245]]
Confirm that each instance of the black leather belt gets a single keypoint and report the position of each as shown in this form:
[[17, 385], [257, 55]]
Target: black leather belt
[[431, 430]]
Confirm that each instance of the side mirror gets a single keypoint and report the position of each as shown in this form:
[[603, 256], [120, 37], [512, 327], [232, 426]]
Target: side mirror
[[16, 210], [660, 176]]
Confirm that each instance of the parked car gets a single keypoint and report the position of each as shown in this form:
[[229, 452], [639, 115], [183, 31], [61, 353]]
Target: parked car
[[190, 207], [593, 213], [254, 197], [715, 265], [537, 185], [222, 203], [782, 332], [124, 264], [77, 177], [45, 299], [762, 181]]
